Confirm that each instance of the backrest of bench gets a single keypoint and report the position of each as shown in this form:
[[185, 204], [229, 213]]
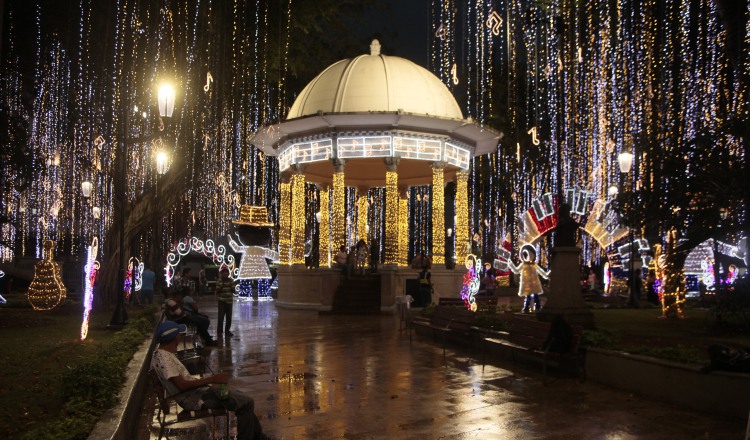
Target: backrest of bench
[[528, 332], [454, 318], [161, 393], [531, 333]]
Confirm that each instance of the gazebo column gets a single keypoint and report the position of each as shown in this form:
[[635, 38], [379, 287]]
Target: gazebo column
[[338, 219], [362, 213], [391, 212], [462, 216], [298, 217], [438, 213], [285, 211], [403, 226], [324, 227]]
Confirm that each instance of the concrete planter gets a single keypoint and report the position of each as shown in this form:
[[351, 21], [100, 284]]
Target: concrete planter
[[717, 392]]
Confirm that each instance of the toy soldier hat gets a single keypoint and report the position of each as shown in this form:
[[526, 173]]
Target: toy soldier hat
[[253, 216]]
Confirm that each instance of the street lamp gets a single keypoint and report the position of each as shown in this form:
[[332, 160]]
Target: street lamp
[[625, 160], [166, 99], [86, 188]]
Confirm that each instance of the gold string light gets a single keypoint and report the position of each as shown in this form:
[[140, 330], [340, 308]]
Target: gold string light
[[47, 290], [462, 215], [391, 217], [285, 243], [298, 219], [438, 214], [338, 225], [362, 217], [324, 228], [403, 232]]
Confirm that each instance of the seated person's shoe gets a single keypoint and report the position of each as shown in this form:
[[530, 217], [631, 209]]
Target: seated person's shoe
[[211, 343]]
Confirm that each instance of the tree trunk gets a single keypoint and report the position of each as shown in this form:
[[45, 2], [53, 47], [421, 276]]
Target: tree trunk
[[147, 210]]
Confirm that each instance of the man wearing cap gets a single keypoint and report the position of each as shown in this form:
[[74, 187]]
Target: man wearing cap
[[174, 310], [196, 393], [225, 295]]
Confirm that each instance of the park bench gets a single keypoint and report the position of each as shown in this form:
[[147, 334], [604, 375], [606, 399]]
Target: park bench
[[526, 338], [449, 322], [484, 303], [166, 404]]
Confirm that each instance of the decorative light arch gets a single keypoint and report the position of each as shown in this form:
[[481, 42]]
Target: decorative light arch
[[207, 248]]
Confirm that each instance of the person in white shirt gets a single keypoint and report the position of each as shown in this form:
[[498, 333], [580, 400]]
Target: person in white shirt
[[196, 393]]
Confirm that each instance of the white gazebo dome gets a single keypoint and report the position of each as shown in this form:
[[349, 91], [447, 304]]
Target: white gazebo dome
[[364, 110], [376, 83]]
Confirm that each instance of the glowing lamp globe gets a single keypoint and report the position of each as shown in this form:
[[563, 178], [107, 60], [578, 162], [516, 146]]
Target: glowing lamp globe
[[166, 100], [97, 212], [625, 160], [162, 162], [612, 191], [86, 188]]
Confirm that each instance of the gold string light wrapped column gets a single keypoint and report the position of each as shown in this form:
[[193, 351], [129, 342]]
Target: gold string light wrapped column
[[362, 214], [438, 213], [324, 227], [462, 216], [298, 217], [403, 227], [338, 220], [285, 243], [391, 212]]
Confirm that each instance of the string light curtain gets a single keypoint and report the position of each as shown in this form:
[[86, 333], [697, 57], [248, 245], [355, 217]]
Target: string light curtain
[[338, 220], [324, 229]]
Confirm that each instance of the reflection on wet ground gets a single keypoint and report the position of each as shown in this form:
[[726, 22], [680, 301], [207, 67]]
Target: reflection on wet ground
[[358, 377]]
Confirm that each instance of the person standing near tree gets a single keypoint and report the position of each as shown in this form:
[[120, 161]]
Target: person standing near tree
[[225, 297]]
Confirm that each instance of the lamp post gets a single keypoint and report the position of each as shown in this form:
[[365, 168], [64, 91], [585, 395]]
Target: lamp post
[[166, 99], [625, 161]]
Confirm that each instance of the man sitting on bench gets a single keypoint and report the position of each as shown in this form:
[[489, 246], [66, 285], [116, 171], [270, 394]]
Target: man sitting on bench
[[196, 393]]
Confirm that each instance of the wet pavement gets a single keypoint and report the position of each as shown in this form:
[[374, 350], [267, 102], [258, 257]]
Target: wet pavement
[[359, 377]]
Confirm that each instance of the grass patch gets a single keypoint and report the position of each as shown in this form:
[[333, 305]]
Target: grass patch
[[54, 385], [643, 331]]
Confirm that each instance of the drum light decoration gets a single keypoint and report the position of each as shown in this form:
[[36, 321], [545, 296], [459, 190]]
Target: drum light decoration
[[47, 291], [90, 270]]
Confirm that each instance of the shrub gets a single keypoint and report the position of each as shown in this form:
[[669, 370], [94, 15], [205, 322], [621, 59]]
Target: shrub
[[602, 338], [732, 306], [92, 387]]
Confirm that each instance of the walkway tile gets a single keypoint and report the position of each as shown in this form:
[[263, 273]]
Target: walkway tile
[[357, 377]]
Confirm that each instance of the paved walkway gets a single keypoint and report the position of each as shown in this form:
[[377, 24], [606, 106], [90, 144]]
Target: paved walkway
[[357, 377]]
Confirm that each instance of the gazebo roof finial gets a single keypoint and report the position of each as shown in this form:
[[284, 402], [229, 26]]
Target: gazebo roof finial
[[375, 48]]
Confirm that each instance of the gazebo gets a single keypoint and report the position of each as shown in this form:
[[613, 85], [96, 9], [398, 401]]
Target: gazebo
[[370, 121]]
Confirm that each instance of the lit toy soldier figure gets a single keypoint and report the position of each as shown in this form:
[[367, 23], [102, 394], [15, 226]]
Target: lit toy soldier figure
[[253, 231], [529, 287]]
